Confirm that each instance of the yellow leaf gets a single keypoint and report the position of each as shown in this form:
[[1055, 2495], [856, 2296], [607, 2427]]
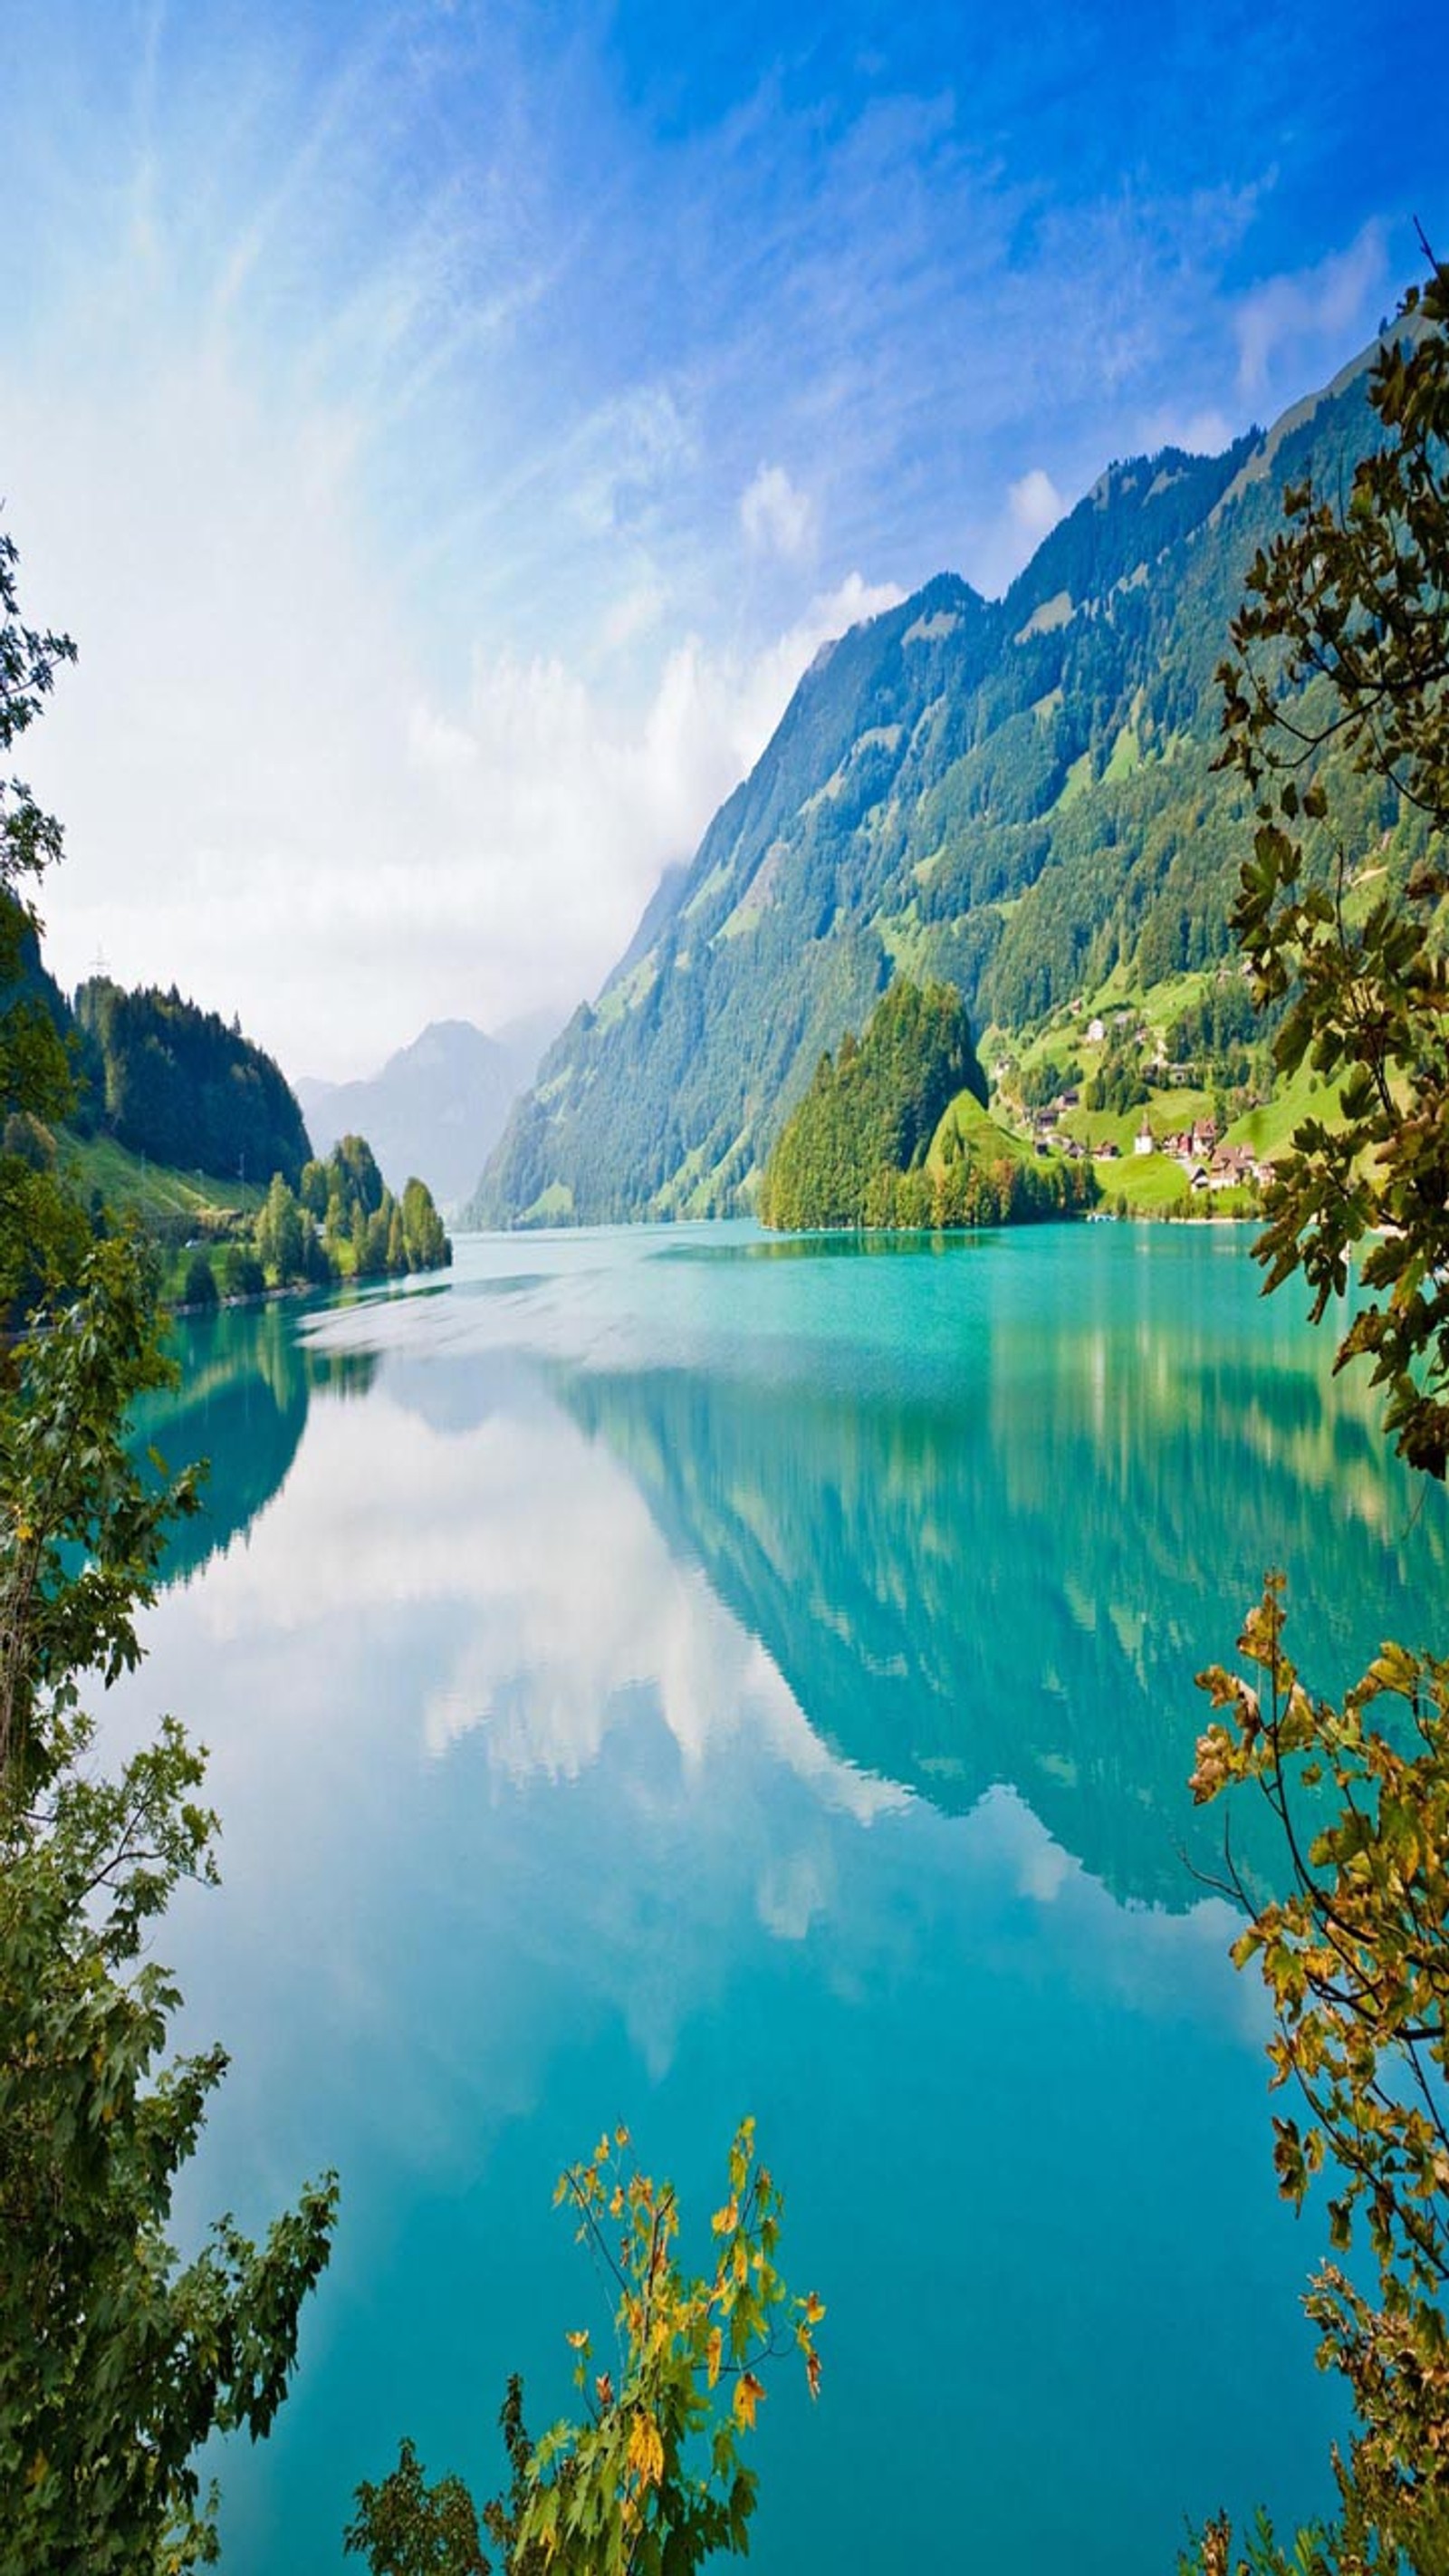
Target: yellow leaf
[[714, 2350], [646, 2450], [748, 2393]]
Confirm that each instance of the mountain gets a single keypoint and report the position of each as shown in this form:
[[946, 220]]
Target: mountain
[[437, 1107], [177, 1083], [1016, 796]]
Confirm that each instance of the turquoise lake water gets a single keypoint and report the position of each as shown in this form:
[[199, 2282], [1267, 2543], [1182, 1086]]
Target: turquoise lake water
[[668, 1674]]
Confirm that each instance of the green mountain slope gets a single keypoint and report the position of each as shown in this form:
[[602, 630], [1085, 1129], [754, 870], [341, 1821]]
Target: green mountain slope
[[170, 1080], [1016, 796]]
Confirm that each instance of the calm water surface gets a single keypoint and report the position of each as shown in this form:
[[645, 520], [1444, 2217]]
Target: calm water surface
[[661, 1675]]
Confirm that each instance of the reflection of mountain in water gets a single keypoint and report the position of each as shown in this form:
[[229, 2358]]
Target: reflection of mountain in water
[[1016, 1580], [242, 1404]]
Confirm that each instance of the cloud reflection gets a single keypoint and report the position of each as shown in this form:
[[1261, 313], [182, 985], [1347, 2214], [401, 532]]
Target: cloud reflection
[[566, 1597]]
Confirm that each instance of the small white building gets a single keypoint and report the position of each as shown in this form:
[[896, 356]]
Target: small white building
[[1144, 1142]]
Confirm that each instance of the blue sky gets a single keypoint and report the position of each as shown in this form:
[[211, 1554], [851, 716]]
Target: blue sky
[[449, 429]]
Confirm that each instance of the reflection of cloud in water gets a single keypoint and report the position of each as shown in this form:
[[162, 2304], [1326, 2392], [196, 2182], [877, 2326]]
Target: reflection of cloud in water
[[792, 1892], [565, 1596]]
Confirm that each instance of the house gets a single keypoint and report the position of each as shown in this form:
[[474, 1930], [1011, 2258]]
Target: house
[[1232, 1165], [1144, 1142], [1193, 1145], [1096, 1031]]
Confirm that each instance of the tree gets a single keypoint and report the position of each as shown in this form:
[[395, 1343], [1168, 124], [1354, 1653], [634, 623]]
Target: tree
[[30, 841], [1356, 1960], [1345, 652], [199, 1286], [651, 2481], [426, 1244], [41, 1228], [116, 2361], [372, 1249], [356, 1164], [279, 1234], [244, 1274]]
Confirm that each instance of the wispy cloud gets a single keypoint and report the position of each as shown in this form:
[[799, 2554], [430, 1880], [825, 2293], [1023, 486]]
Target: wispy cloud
[[776, 517], [1302, 310]]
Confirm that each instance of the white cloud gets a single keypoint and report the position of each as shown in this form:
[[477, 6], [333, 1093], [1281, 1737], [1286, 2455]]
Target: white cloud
[[546, 1643], [270, 801], [636, 612], [627, 449], [1200, 433], [1000, 546], [777, 517], [716, 711], [1035, 503], [1325, 303]]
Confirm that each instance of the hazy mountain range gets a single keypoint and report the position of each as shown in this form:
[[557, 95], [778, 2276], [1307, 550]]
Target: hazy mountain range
[[437, 1107]]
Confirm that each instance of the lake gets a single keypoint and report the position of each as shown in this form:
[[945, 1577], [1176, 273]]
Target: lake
[[668, 1674]]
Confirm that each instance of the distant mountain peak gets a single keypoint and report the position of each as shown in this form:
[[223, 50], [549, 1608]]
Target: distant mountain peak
[[437, 1106]]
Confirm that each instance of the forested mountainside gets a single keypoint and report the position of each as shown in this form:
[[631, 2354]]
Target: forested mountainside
[[170, 1080], [1016, 796]]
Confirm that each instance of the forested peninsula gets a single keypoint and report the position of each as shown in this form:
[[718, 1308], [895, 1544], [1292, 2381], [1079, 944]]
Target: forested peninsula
[[169, 1111]]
